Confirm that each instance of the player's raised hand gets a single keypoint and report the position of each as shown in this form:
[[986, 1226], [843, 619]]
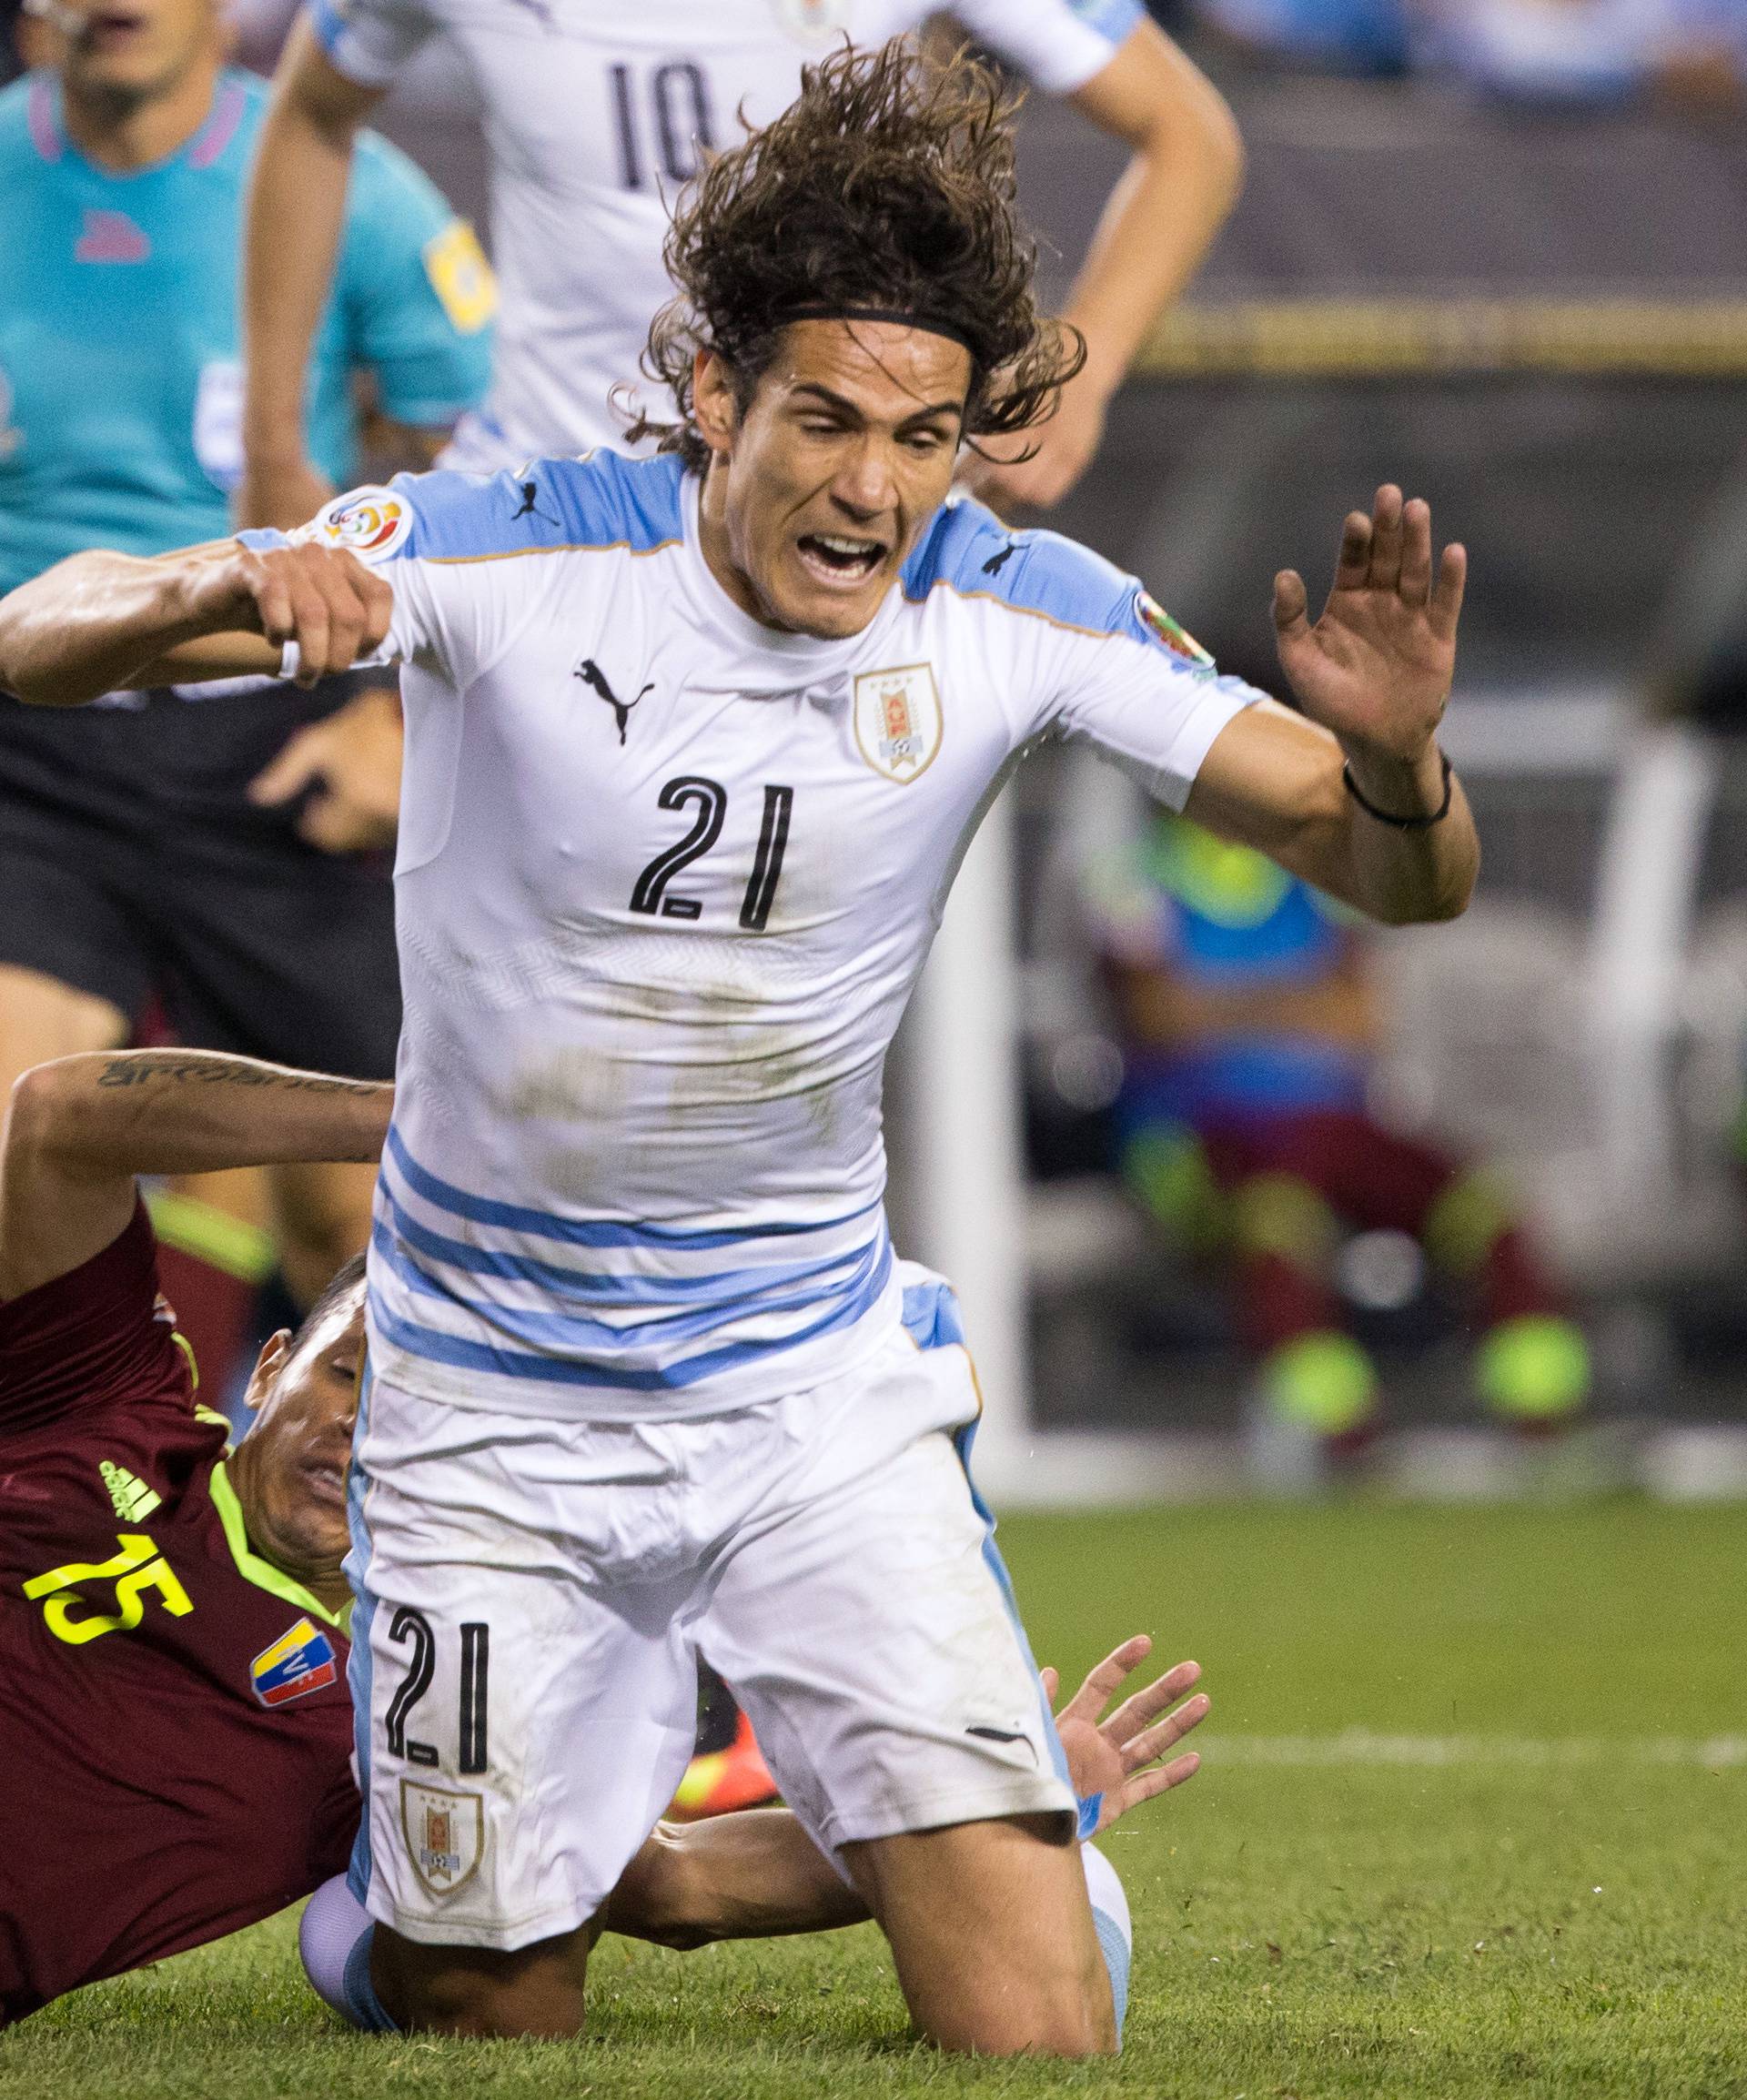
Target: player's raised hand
[[1119, 1757], [1376, 667], [322, 597]]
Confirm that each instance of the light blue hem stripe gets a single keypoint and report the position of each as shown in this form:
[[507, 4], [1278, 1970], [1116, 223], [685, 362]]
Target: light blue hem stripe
[[724, 1288], [462, 1355], [931, 1318], [579, 1232], [573, 1328], [357, 1668]]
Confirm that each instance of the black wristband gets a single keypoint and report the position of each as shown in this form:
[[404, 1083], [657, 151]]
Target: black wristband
[[1401, 823]]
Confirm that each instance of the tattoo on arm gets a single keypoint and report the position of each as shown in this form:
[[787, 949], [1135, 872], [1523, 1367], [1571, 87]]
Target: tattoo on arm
[[134, 1069]]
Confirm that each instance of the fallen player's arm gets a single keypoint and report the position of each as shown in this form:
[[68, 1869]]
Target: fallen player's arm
[[1354, 794], [756, 1875], [102, 622], [753, 1875], [78, 1130]]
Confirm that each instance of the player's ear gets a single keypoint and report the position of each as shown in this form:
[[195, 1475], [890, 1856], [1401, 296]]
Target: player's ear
[[715, 409], [275, 1349]]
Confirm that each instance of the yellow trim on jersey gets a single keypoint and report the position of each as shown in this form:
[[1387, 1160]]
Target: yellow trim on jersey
[[187, 1348], [212, 1236], [251, 1566]]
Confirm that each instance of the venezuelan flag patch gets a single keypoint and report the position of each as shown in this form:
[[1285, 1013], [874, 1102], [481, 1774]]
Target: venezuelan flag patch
[[299, 1662]]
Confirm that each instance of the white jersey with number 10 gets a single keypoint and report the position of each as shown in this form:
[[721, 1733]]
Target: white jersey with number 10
[[666, 879], [595, 116]]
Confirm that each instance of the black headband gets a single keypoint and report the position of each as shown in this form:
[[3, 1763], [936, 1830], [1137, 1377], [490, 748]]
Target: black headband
[[905, 318]]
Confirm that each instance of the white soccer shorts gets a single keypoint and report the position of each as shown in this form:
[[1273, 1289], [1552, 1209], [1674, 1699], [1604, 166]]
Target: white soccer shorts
[[532, 1596]]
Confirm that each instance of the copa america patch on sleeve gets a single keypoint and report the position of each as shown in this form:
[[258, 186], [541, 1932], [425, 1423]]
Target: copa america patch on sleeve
[[1164, 629], [372, 523]]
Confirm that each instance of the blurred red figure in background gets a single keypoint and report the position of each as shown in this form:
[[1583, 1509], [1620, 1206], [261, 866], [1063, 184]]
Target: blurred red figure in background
[[1250, 1031]]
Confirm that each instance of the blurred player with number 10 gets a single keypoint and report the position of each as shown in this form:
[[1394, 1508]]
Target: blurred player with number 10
[[596, 117]]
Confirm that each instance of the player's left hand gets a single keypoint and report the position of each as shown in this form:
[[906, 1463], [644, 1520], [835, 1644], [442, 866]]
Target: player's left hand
[[1119, 1757], [351, 759], [1376, 668], [1066, 446]]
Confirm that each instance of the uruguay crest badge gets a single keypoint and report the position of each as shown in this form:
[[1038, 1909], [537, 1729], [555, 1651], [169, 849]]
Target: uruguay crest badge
[[299, 1662], [445, 1834], [898, 722]]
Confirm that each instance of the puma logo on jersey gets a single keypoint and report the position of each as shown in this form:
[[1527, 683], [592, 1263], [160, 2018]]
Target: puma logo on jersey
[[592, 675], [133, 1498], [997, 563]]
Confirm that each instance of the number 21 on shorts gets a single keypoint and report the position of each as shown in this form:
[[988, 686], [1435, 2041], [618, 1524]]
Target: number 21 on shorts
[[411, 1630]]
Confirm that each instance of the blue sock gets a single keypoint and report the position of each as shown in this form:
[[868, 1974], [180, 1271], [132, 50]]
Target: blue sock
[[334, 1937], [1111, 1922]]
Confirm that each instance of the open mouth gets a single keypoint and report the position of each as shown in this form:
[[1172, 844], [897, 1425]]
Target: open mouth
[[325, 1484], [839, 559]]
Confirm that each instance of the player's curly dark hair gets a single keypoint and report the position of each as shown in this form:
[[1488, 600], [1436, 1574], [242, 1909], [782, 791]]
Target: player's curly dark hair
[[888, 184]]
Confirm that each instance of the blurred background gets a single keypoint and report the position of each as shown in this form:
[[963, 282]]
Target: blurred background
[[1243, 1196]]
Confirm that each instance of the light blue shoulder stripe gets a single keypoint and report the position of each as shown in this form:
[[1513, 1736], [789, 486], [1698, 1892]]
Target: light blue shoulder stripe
[[968, 551], [599, 500], [588, 1232]]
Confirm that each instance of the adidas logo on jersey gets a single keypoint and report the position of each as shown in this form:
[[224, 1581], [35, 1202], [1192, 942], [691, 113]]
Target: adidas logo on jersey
[[133, 1498]]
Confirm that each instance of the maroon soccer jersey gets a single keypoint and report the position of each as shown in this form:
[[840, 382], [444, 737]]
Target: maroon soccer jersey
[[175, 1729]]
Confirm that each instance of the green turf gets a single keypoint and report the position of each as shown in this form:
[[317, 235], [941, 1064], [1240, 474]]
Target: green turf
[[1455, 1932]]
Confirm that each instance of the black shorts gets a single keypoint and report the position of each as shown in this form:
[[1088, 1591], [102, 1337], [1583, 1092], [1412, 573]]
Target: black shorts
[[133, 864]]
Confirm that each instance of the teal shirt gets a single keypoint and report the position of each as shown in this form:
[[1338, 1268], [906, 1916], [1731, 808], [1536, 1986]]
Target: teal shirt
[[120, 373]]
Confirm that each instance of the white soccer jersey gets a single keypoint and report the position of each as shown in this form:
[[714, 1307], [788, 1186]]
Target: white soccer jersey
[[666, 878], [596, 115]]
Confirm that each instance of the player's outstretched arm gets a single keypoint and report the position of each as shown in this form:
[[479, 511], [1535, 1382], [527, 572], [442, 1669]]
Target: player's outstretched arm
[[100, 622], [76, 1132], [1353, 793], [297, 211]]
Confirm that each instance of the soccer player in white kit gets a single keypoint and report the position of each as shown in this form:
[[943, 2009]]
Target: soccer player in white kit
[[596, 116], [695, 744]]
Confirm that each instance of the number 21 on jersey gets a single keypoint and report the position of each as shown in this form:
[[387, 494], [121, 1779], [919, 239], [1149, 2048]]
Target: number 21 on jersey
[[707, 800]]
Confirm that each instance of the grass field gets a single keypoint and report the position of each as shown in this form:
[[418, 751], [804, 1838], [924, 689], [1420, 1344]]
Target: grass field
[[1473, 1822]]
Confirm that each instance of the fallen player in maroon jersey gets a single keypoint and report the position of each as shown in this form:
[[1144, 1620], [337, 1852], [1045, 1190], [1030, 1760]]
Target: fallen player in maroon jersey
[[172, 1644]]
